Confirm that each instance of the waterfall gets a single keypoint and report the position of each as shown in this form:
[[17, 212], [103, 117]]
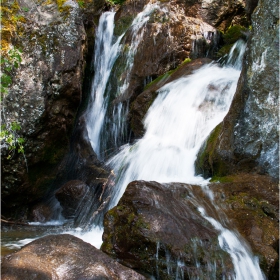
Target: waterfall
[[106, 52], [115, 132], [137, 30], [179, 120]]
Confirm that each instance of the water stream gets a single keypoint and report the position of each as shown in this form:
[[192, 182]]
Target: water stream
[[179, 120], [106, 53]]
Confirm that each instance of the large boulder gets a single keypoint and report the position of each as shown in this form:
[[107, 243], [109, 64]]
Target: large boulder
[[247, 140], [63, 257], [156, 229]]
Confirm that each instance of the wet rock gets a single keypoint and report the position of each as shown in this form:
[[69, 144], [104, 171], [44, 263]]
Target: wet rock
[[70, 196], [251, 202], [63, 257], [156, 229], [140, 106], [247, 140], [41, 213], [223, 14]]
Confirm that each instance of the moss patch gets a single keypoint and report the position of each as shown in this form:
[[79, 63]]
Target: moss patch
[[204, 163], [231, 35], [123, 24]]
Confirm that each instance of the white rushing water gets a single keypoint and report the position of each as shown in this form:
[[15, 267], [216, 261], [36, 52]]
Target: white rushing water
[[106, 53], [177, 123], [246, 266]]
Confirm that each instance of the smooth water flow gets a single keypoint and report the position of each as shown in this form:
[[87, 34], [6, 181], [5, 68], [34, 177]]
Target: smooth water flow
[[246, 266], [177, 123], [106, 52]]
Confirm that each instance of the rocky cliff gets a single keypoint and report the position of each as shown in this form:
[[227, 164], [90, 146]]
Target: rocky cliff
[[45, 93], [247, 139]]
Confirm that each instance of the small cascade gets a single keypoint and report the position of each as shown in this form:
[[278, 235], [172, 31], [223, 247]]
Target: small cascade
[[116, 131], [106, 52], [168, 149], [245, 264], [137, 31], [235, 56]]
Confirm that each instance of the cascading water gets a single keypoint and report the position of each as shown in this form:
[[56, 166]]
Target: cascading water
[[106, 52], [115, 131], [177, 123], [179, 120]]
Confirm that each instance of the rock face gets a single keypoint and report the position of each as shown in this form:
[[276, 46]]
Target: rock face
[[156, 229], [45, 93], [63, 257], [247, 139], [44, 96]]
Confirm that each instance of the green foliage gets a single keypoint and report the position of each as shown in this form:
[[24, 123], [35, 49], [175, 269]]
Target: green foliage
[[9, 130], [9, 137], [8, 65], [81, 3]]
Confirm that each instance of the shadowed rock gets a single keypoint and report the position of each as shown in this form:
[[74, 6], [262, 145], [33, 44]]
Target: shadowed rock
[[70, 196]]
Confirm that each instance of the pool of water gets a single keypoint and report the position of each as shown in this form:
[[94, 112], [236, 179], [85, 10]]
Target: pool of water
[[16, 236]]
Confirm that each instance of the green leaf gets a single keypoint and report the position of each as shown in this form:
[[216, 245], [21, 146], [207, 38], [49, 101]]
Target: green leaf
[[20, 149], [15, 126], [3, 89], [20, 140], [6, 80]]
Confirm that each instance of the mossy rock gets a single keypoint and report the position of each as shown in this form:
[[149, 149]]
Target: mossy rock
[[204, 163], [123, 24], [232, 35]]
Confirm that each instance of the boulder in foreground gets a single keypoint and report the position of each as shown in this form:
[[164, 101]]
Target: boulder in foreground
[[63, 257]]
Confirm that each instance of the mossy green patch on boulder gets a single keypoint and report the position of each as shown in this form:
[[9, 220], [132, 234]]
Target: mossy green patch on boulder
[[234, 33], [204, 163], [230, 36]]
